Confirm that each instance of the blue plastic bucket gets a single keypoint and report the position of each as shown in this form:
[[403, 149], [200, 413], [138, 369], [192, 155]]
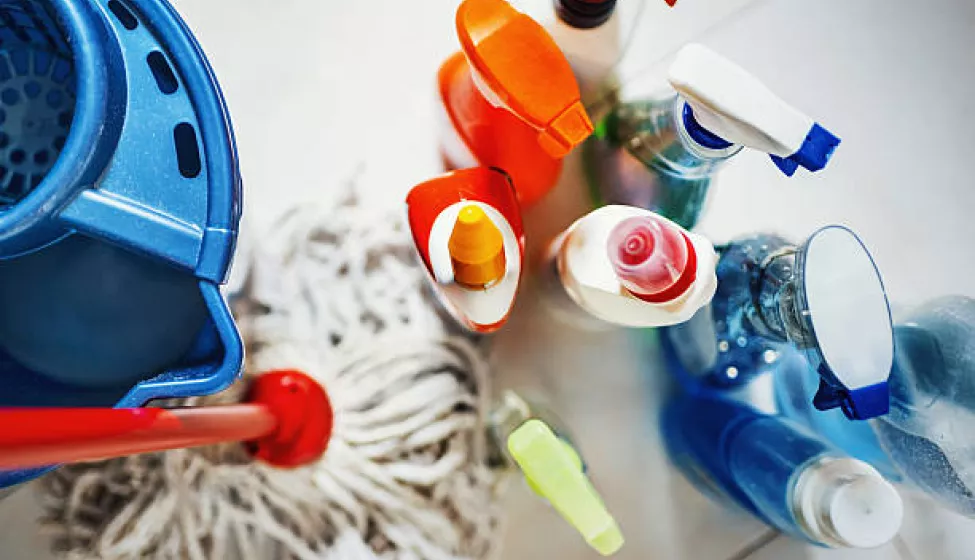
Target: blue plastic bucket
[[119, 205]]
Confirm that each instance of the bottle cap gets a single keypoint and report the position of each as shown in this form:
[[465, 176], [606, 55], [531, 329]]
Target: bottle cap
[[845, 502], [652, 259], [585, 14], [495, 39], [476, 249], [865, 512], [553, 469], [726, 105]]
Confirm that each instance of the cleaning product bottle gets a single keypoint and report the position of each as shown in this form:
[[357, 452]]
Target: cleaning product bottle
[[794, 384], [661, 154], [593, 37], [621, 265], [927, 435], [467, 229], [824, 298], [778, 472], [530, 437], [510, 99]]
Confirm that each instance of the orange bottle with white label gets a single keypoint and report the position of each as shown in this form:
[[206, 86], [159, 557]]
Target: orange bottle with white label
[[510, 99]]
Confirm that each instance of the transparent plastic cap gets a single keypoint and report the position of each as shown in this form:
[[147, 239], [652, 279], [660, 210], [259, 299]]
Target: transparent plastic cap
[[649, 255], [842, 301]]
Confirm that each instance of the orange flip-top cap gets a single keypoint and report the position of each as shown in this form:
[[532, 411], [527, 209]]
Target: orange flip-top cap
[[476, 249], [520, 63]]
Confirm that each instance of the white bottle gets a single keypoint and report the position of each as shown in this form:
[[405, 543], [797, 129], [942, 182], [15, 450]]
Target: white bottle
[[625, 266], [593, 35]]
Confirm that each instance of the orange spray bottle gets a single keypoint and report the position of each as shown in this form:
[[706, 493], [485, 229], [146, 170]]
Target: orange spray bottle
[[510, 98], [467, 229], [512, 111]]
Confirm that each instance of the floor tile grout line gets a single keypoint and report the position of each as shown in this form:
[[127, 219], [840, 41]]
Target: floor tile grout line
[[760, 542]]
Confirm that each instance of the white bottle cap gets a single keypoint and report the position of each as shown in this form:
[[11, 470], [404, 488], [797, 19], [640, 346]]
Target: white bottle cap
[[726, 105], [847, 503]]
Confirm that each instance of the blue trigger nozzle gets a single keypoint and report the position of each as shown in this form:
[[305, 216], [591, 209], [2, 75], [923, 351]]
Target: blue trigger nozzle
[[859, 404], [814, 153]]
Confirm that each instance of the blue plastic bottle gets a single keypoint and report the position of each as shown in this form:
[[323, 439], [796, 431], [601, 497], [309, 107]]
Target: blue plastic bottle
[[661, 154], [778, 472], [823, 298], [928, 434]]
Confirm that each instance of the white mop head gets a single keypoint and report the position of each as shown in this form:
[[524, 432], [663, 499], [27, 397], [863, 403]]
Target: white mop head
[[334, 292]]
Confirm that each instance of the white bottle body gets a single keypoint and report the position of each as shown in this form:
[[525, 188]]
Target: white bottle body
[[580, 262], [593, 54]]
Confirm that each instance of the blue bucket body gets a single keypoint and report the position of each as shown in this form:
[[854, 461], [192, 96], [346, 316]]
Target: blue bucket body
[[120, 197]]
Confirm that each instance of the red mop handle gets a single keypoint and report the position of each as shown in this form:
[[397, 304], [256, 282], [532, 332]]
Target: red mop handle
[[286, 423], [34, 437]]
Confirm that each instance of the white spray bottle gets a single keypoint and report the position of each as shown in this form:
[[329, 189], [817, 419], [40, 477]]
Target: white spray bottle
[[661, 154]]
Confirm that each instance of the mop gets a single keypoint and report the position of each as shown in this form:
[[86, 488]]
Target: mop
[[333, 292]]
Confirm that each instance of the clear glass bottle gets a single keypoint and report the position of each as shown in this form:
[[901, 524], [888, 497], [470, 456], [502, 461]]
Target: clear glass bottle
[[641, 155]]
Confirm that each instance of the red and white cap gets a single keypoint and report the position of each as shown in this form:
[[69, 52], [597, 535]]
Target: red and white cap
[[652, 258]]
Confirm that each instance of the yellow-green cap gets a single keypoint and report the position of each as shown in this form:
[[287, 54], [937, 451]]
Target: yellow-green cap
[[553, 469]]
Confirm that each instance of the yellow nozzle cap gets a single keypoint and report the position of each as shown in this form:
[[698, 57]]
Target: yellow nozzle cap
[[553, 469], [476, 249]]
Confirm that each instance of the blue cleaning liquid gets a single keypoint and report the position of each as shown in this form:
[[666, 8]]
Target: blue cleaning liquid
[[929, 432], [927, 439], [739, 456], [638, 158], [723, 345], [795, 384]]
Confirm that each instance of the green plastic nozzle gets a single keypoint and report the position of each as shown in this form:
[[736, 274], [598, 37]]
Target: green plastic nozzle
[[554, 470]]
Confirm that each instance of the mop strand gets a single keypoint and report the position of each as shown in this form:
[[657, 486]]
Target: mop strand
[[333, 292]]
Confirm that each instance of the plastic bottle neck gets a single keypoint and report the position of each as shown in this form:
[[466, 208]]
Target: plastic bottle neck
[[778, 316], [583, 14], [697, 139]]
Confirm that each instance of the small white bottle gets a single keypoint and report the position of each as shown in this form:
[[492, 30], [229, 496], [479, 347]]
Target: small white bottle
[[625, 266], [593, 35]]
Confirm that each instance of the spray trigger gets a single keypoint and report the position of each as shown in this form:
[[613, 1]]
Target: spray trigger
[[725, 105]]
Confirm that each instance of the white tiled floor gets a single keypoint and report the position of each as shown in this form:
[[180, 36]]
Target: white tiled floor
[[322, 92]]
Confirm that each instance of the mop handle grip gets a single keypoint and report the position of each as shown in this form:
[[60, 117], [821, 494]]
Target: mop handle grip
[[35, 437]]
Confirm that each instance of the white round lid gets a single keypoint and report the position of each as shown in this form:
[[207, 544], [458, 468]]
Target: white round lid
[[865, 512]]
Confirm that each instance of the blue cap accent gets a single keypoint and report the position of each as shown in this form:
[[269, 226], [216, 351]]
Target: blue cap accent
[[701, 135], [859, 404], [814, 153]]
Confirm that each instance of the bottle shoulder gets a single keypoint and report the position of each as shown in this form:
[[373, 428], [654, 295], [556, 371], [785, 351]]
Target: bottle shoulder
[[650, 131]]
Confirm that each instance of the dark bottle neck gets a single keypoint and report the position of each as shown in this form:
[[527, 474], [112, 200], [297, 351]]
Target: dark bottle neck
[[583, 14], [778, 313]]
